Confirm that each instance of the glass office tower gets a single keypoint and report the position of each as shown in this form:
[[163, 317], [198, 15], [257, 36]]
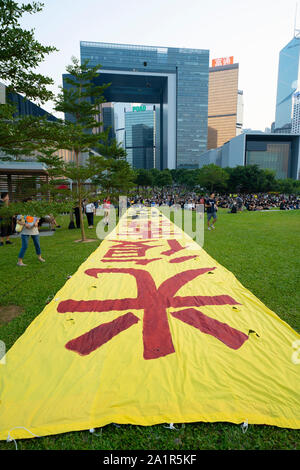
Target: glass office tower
[[140, 137], [288, 83], [174, 79]]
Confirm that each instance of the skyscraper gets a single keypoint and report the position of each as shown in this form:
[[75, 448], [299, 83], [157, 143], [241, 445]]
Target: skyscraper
[[225, 103], [174, 79], [296, 114], [288, 83], [140, 136]]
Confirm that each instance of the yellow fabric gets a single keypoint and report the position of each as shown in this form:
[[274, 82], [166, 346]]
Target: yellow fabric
[[47, 387]]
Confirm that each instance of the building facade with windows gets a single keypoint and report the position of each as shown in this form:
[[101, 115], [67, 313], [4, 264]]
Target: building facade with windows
[[225, 104], [174, 79], [277, 152], [140, 129], [296, 114], [287, 84]]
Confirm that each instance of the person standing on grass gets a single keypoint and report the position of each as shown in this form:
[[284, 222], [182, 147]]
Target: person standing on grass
[[30, 229], [211, 209], [5, 225], [90, 211], [106, 207]]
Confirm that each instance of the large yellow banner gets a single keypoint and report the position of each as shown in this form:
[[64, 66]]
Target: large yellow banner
[[149, 330]]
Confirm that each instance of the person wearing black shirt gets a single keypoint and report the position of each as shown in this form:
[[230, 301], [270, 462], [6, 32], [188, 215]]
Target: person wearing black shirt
[[5, 224], [211, 209]]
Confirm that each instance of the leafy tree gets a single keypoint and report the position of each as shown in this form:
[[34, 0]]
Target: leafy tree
[[212, 177], [23, 136], [144, 178], [110, 148], [80, 100], [118, 177], [287, 186], [21, 53], [163, 179]]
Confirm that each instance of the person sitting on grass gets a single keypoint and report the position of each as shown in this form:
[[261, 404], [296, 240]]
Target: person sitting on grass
[[49, 219]]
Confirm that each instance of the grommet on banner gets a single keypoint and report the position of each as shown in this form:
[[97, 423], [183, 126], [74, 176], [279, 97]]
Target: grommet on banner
[[171, 426], [244, 426], [93, 431]]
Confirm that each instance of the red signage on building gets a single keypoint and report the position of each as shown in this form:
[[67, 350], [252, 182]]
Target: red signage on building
[[222, 61]]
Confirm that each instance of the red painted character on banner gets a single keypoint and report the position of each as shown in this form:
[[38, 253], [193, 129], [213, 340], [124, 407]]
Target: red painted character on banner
[[154, 301], [128, 251]]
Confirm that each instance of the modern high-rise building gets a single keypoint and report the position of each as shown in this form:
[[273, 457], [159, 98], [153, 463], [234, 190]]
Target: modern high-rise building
[[225, 103], [287, 84], [296, 114], [174, 79], [140, 136], [107, 117], [119, 115]]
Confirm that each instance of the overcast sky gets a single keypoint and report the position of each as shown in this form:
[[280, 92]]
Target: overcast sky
[[252, 31]]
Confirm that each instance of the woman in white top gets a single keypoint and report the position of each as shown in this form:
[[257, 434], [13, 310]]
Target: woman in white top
[[90, 211], [30, 228]]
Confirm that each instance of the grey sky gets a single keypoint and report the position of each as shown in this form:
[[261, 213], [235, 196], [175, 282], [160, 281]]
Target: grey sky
[[252, 31]]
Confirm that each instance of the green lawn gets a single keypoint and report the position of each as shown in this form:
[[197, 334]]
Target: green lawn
[[261, 249]]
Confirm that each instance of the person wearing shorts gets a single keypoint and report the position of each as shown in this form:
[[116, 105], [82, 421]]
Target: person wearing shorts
[[211, 209]]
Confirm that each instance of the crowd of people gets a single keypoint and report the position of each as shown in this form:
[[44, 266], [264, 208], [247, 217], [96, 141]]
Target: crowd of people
[[185, 200], [249, 202]]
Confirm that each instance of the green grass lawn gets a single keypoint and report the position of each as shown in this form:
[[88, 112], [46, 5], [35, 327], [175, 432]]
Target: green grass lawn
[[261, 249]]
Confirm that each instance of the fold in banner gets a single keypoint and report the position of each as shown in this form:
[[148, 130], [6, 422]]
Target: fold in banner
[[150, 330]]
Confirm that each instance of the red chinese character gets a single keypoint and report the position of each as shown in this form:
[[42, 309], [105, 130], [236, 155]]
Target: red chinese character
[[128, 249], [154, 302]]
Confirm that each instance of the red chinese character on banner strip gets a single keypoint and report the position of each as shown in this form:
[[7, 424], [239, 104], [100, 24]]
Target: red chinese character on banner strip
[[154, 301], [141, 262], [174, 248], [182, 259], [128, 249]]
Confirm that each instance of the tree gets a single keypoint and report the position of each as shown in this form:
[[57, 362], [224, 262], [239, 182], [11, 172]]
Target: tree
[[21, 53], [287, 186], [144, 178], [212, 177], [110, 148], [80, 100], [163, 179], [23, 136]]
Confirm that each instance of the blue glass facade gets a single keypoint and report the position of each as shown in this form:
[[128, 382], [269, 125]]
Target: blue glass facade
[[288, 83], [140, 138], [25, 107], [174, 79]]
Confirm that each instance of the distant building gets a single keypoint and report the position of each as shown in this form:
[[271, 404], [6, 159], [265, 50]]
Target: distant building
[[140, 136], [296, 114], [119, 124], [287, 84], [24, 107], [225, 103], [174, 79], [277, 152], [106, 116]]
